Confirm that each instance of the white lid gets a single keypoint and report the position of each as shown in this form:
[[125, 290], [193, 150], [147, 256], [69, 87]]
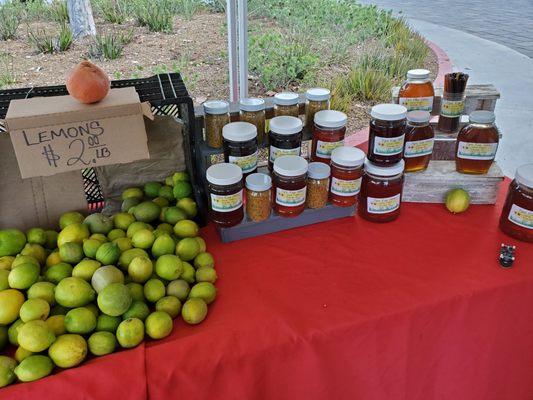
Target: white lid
[[224, 174], [331, 119], [481, 117], [418, 74], [418, 116], [258, 182], [390, 170], [348, 156], [252, 104], [286, 125], [318, 170], [290, 165], [318, 94], [389, 112], [239, 131], [524, 175], [286, 98], [216, 107]]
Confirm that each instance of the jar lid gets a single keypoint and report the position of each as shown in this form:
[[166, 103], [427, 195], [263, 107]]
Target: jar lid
[[348, 156], [216, 107], [286, 125], [239, 131], [331, 119], [389, 112], [390, 170], [286, 98], [418, 74], [318, 94], [418, 116], [224, 174], [318, 170], [524, 175], [258, 182], [290, 165], [252, 104], [481, 117]]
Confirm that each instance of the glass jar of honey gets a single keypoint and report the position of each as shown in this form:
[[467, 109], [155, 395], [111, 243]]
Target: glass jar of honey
[[328, 134], [285, 138], [286, 103], [240, 145], [381, 192], [216, 115], [477, 144], [517, 215], [290, 185], [419, 139], [316, 99], [417, 91], [224, 183], [386, 136], [252, 110], [258, 197], [317, 185], [346, 173]]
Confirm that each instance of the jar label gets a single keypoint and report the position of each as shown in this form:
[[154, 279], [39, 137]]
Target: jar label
[[383, 205], [290, 198], [418, 148], [452, 108], [417, 103], [385, 146], [226, 203], [324, 149], [276, 152], [247, 163], [342, 187], [476, 151], [521, 216]]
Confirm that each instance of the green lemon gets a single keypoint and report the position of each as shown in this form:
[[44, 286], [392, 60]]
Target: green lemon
[[169, 181], [99, 223], [194, 311], [4, 279], [22, 353], [99, 236], [102, 343], [205, 291], [105, 276], [57, 324], [204, 259], [73, 233], [11, 301], [178, 288], [201, 243], [85, 269], [90, 247], [158, 325], [129, 203], [172, 215], [33, 309], [71, 252], [12, 242], [132, 192], [7, 370], [161, 202], [186, 228], [20, 259], [137, 226], [182, 189], [35, 336], [68, 350], [457, 201], [166, 228], [56, 273], [33, 368], [188, 248], [151, 189], [147, 211], [140, 269], [168, 267], [138, 309], [36, 251], [206, 274], [53, 258], [74, 292], [189, 273], [107, 323], [51, 239], [114, 299], [143, 239], [44, 291], [169, 304], [108, 254], [69, 218], [6, 262], [126, 257], [116, 234], [123, 244], [123, 220], [94, 309], [80, 320], [154, 289], [136, 291], [189, 206], [167, 193], [180, 177], [163, 244], [130, 332], [36, 236], [23, 276]]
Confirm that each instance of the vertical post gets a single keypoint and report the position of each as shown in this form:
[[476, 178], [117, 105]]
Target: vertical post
[[231, 13], [81, 18], [243, 48]]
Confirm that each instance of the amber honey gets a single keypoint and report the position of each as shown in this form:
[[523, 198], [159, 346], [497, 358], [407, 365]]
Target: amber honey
[[419, 140], [290, 185], [417, 91], [386, 137]]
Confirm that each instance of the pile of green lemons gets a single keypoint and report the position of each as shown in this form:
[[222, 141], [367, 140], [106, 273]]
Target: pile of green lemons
[[102, 282]]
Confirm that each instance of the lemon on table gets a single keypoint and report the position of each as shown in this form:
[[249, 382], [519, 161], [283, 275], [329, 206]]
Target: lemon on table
[[114, 299], [33, 368], [74, 292], [136, 291], [163, 244], [158, 325], [80, 320], [6, 262], [12, 242], [71, 252], [42, 290], [85, 269], [204, 259], [21, 353], [130, 333], [151, 189], [69, 218], [169, 304], [11, 301], [23, 276], [132, 192], [138, 309], [188, 273], [90, 247], [102, 343], [140, 269], [168, 267], [107, 323], [194, 311], [7, 370], [68, 350], [186, 228], [457, 201], [154, 289], [73, 233], [33, 309], [35, 336], [188, 248], [56, 273], [143, 239], [206, 274], [205, 291], [115, 234], [178, 288], [57, 324], [36, 236], [182, 189]]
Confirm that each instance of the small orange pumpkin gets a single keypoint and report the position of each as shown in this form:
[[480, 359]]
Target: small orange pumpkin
[[88, 83]]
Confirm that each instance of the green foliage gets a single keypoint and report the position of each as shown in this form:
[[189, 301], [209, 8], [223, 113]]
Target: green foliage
[[59, 11], [186, 8], [217, 6], [36, 10], [10, 17], [114, 11], [42, 40], [111, 45], [157, 15], [7, 76], [65, 38]]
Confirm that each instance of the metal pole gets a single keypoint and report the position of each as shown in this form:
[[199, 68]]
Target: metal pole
[[231, 13], [243, 47]]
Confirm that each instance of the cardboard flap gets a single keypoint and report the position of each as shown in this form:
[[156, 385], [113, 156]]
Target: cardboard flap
[[147, 110]]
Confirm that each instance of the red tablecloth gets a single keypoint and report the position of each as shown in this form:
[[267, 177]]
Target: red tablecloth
[[414, 309]]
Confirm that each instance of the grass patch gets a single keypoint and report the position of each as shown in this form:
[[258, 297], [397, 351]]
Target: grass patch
[[7, 76], [59, 11], [42, 40], [111, 46], [114, 11], [64, 41], [157, 15], [186, 8], [10, 17]]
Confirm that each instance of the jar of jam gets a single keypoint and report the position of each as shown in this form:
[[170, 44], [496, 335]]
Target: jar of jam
[[419, 139], [386, 137], [328, 134], [316, 99], [346, 173], [317, 185], [381, 192], [286, 103], [517, 214], [290, 185], [216, 115], [285, 138], [240, 145], [477, 144], [258, 196], [417, 91], [224, 183], [252, 110]]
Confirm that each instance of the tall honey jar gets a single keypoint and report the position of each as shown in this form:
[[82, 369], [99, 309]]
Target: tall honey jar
[[419, 140], [417, 91], [386, 136]]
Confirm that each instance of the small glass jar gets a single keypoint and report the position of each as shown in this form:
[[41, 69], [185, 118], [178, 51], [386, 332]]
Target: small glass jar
[[381, 192], [216, 115], [317, 185], [286, 103], [517, 214], [417, 91], [285, 138], [290, 183], [258, 197], [386, 137], [240, 145], [224, 183], [316, 99], [346, 173], [419, 140], [252, 110], [477, 144], [328, 134]]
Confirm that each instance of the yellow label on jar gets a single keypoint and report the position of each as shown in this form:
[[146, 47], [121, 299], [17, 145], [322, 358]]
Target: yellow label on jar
[[291, 198], [521, 216], [477, 151], [452, 108], [417, 103], [347, 188], [226, 203], [383, 205], [385, 146], [247, 163], [418, 148], [324, 149], [276, 152]]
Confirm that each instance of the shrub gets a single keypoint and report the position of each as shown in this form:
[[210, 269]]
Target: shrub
[[59, 11], [7, 76], [186, 8], [41, 40], [157, 15], [114, 11], [37, 10], [10, 16], [64, 41], [111, 46]]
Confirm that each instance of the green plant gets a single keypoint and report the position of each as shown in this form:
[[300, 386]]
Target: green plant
[[36, 10], [111, 46], [10, 17], [364, 85], [59, 11], [217, 6], [157, 15], [41, 40], [186, 8], [64, 41], [114, 11], [7, 75]]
